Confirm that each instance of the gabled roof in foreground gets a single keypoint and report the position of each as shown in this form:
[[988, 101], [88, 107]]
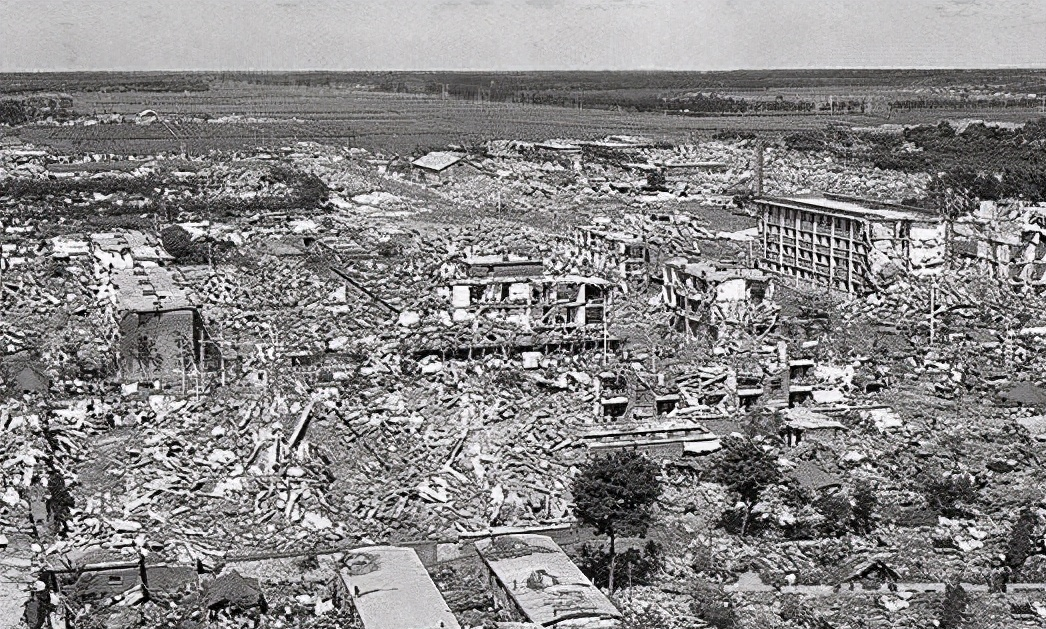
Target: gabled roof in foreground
[[391, 589], [544, 583]]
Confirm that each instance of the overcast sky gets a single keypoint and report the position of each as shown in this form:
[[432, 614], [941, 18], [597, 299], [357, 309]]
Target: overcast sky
[[519, 34]]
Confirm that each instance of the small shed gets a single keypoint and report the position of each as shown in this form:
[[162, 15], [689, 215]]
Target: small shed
[[438, 166]]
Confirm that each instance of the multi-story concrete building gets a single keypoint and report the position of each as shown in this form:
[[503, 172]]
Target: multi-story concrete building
[[847, 244]]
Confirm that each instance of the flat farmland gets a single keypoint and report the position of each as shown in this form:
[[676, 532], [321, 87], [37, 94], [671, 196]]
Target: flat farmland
[[273, 116]]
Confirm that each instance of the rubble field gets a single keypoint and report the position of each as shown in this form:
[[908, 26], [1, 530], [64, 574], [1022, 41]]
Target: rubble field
[[346, 375]]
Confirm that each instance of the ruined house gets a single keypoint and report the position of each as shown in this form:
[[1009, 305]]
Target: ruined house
[[704, 296], [126, 249], [503, 265], [532, 303], [847, 244], [388, 587], [1006, 239], [534, 581], [803, 424], [161, 335], [614, 254]]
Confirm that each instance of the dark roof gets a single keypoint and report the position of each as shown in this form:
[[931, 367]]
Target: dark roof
[[231, 590], [862, 567], [1025, 393]]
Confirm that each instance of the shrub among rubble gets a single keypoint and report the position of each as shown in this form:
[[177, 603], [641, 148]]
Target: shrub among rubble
[[950, 495], [1022, 543], [953, 613], [714, 606]]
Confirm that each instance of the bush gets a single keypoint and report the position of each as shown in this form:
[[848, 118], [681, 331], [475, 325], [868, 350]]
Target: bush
[[714, 606], [953, 610], [949, 496], [1022, 543]]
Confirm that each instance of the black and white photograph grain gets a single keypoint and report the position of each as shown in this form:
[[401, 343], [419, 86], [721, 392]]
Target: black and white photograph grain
[[522, 314]]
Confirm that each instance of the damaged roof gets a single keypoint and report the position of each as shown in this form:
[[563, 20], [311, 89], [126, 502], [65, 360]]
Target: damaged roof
[[148, 289], [806, 419], [391, 589], [852, 207], [812, 477], [544, 583], [713, 272]]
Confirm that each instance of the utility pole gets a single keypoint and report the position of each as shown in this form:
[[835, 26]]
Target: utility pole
[[759, 167], [933, 311]]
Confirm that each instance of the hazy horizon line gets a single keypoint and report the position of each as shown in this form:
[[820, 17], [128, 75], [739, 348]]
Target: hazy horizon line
[[544, 70]]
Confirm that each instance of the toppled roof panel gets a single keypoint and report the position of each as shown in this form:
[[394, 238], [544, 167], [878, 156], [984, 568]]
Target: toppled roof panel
[[806, 419], [543, 581], [438, 160], [391, 589], [715, 272], [147, 289]]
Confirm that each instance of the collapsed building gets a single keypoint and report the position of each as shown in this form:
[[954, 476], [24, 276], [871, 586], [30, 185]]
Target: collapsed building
[[707, 296], [161, 337], [1005, 239], [534, 580], [614, 254], [847, 244], [569, 302]]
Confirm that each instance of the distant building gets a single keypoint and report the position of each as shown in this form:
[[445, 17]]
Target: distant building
[[533, 578], [846, 244], [704, 295], [389, 588]]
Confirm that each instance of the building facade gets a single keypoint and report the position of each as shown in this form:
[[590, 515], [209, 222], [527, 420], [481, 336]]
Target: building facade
[[851, 245]]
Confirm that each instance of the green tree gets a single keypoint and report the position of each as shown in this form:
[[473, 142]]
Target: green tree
[[615, 494], [747, 470]]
